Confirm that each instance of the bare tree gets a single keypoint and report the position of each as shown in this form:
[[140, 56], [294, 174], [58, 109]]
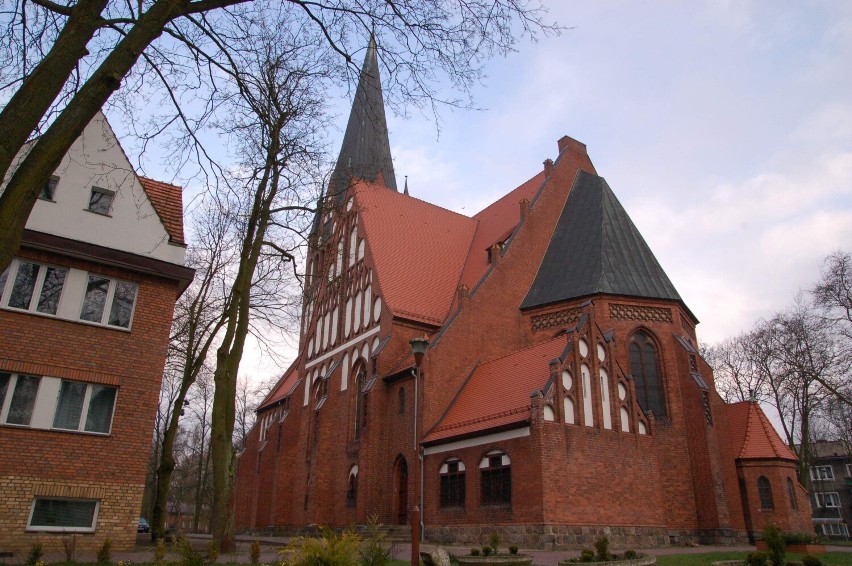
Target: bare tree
[[736, 366], [61, 62]]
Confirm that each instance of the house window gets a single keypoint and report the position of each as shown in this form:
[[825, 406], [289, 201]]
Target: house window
[[49, 188], [848, 466], [835, 530], [452, 483], [821, 473], [85, 407], [791, 493], [764, 492], [829, 500], [17, 398], [495, 478], [66, 515], [645, 371], [34, 288], [100, 200], [352, 489], [102, 291], [402, 400]]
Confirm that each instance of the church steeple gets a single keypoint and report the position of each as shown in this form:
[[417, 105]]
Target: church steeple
[[365, 152]]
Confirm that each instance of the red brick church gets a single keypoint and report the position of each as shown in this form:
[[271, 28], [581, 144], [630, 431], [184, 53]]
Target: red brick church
[[561, 394]]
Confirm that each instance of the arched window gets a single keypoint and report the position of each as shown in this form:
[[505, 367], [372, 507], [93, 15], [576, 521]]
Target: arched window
[[645, 370], [791, 493], [402, 400], [360, 399], [495, 479], [352, 489], [764, 491], [452, 483]]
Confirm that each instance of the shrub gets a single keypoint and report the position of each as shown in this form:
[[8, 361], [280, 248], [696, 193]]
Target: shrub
[[602, 548], [188, 555], [375, 551], [160, 551], [757, 559], [587, 556], [69, 545], [330, 549], [774, 544], [513, 549], [799, 538], [104, 554], [494, 542], [486, 550], [212, 551], [474, 552], [630, 555], [36, 552], [809, 560], [254, 552]]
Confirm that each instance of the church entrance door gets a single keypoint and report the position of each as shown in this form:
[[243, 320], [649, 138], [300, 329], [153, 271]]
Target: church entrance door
[[401, 481]]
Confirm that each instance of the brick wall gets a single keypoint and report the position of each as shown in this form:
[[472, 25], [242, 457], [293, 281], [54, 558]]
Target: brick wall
[[115, 464]]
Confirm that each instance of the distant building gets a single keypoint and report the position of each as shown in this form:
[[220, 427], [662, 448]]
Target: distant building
[[831, 488], [562, 394], [85, 314]]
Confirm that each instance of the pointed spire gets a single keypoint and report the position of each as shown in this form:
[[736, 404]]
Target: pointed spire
[[365, 152], [406, 185]]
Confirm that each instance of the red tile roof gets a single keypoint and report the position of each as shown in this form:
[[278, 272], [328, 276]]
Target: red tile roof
[[498, 392], [168, 203], [495, 223], [419, 250], [753, 436], [284, 386]]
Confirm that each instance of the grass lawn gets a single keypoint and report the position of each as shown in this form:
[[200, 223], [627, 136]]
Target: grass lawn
[[829, 558]]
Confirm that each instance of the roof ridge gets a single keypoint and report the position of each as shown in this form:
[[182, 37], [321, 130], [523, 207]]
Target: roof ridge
[[494, 202]]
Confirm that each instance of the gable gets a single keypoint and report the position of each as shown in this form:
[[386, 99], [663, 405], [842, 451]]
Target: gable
[[130, 224]]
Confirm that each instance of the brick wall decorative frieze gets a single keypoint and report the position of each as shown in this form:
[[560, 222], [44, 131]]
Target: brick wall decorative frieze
[[556, 318], [644, 313]]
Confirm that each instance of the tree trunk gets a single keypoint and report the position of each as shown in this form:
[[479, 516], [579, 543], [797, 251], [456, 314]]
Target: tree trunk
[[26, 182], [21, 116]]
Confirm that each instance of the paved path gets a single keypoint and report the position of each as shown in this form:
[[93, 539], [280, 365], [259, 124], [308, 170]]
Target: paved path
[[144, 551]]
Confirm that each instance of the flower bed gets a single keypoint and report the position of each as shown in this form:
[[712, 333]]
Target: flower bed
[[801, 548], [496, 560], [643, 560]]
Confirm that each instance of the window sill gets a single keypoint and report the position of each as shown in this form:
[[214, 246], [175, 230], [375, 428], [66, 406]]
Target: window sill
[[59, 430], [60, 529], [106, 214], [453, 509], [506, 506], [74, 320]]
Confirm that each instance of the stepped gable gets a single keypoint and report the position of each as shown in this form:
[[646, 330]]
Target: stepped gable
[[365, 152], [596, 248], [167, 201], [753, 436], [418, 250], [495, 223], [497, 394]]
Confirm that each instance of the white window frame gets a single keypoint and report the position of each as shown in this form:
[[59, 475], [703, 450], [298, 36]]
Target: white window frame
[[113, 284], [7, 401], [84, 411], [817, 473], [827, 500], [849, 470], [11, 276], [89, 529], [843, 530], [106, 192]]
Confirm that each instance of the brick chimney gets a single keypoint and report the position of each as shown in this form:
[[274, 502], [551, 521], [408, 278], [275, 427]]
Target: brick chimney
[[525, 208]]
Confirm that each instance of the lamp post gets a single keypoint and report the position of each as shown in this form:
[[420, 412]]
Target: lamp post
[[418, 350]]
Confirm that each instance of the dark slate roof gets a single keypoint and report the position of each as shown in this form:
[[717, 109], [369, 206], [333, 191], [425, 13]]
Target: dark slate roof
[[366, 148], [596, 248]]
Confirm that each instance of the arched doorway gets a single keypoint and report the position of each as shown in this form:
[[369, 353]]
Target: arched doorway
[[400, 482]]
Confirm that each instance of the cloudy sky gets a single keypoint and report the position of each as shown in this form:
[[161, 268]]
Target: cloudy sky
[[725, 129]]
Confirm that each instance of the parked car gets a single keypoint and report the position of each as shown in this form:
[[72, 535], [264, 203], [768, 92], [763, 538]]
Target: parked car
[[143, 527]]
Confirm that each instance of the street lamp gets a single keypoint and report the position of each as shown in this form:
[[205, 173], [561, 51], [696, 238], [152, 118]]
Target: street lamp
[[418, 350]]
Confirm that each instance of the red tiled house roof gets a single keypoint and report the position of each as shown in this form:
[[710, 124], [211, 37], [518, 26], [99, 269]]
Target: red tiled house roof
[[167, 201], [753, 436], [418, 250], [498, 392], [284, 386]]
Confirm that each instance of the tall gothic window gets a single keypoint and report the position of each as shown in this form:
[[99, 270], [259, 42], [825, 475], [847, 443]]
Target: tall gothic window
[[352, 489], [452, 483], [495, 479], [791, 493], [361, 398], [764, 492], [644, 366]]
